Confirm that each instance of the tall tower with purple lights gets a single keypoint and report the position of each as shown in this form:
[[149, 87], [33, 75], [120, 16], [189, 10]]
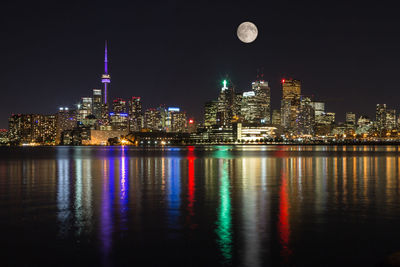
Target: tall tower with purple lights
[[105, 78], [105, 91]]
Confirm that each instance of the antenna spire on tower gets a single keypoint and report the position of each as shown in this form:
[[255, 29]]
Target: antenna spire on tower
[[105, 59]]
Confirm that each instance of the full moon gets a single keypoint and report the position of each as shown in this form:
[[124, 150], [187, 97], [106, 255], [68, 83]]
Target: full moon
[[247, 32]]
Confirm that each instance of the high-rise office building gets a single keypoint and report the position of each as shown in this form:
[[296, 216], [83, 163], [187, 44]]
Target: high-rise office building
[[85, 108], [225, 105], [163, 117], [319, 111], [210, 113], [350, 120], [263, 97], [306, 117], [276, 117], [286, 107], [97, 103], [291, 91], [329, 118], [119, 121], [250, 108], [66, 119], [381, 117], [135, 114], [391, 122], [256, 104], [237, 107], [178, 120], [119, 105], [151, 119]]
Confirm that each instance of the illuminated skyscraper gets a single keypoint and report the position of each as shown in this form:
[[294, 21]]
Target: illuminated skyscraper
[[178, 120], [151, 119], [291, 91], [391, 119], [250, 107], [319, 111], [263, 99], [210, 113], [97, 103], [285, 113], [163, 117], [350, 120], [276, 117], [119, 121], [225, 105], [135, 114], [381, 117], [119, 105], [306, 118], [84, 108], [65, 120]]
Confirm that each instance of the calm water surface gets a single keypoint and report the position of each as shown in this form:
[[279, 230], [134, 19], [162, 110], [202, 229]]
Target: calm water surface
[[199, 206]]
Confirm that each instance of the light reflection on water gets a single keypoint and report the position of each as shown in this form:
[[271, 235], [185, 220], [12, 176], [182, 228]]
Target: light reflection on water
[[222, 205]]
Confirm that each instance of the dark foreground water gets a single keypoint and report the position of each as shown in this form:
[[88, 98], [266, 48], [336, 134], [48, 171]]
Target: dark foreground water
[[199, 206]]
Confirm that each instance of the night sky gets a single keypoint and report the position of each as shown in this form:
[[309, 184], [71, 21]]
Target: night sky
[[177, 52]]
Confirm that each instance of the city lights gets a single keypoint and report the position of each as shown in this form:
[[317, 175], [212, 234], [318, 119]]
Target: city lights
[[234, 116]]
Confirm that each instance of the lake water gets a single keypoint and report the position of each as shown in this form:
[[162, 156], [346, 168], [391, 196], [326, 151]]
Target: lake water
[[199, 206]]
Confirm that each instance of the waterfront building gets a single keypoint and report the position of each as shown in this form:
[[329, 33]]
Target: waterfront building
[[66, 119], [4, 137], [98, 137], [254, 133], [32, 128]]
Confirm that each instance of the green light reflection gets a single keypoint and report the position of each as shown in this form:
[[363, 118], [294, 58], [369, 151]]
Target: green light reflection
[[224, 222]]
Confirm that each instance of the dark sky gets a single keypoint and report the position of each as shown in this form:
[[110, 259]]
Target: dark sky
[[177, 52]]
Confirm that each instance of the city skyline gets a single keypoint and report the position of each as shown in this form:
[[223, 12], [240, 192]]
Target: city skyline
[[172, 62], [107, 96]]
